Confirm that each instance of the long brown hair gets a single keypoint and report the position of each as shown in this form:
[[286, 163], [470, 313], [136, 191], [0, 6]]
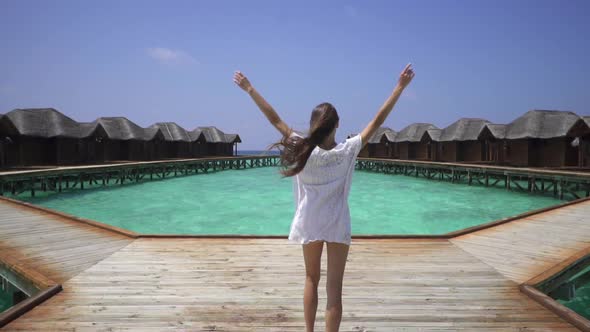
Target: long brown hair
[[295, 150]]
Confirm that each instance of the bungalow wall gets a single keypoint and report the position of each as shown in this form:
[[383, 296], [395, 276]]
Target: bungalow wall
[[365, 151], [111, 150], [175, 149], [68, 151], [35, 151], [92, 150], [470, 151], [517, 152], [381, 150], [198, 149], [447, 151], [494, 151], [583, 159], [403, 149], [553, 152], [10, 153], [226, 149], [584, 152], [394, 150], [183, 150], [431, 148], [418, 150], [134, 150]]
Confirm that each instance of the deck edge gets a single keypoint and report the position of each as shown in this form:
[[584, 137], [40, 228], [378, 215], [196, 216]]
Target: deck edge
[[70, 217], [498, 222], [562, 311], [23, 307]]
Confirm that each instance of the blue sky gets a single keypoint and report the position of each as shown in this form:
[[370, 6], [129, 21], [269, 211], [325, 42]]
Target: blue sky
[[157, 61]]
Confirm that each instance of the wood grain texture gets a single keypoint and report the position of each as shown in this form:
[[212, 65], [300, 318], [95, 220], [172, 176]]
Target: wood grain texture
[[256, 285], [53, 246], [524, 248]]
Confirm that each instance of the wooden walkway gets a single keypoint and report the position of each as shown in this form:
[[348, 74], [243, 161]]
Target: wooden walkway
[[256, 285], [113, 283], [525, 248], [56, 247]]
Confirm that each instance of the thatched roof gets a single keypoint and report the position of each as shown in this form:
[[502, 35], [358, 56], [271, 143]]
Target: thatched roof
[[380, 133], [497, 131], [541, 124], [43, 122], [580, 127], [197, 135], [48, 122], [432, 135], [121, 128], [413, 132], [213, 134], [465, 129], [232, 138], [172, 131]]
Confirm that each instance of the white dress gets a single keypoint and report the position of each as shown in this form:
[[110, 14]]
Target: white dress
[[321, 194]]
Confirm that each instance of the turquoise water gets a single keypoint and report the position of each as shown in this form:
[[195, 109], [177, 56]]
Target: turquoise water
[[258, 201], [580, 302]]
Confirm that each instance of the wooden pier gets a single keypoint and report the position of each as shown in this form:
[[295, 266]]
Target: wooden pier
[[558, 183], [58, 179], [114, 282]]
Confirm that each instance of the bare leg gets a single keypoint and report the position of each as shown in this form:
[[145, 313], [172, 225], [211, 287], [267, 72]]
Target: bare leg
[[312, 254], [337, 254]]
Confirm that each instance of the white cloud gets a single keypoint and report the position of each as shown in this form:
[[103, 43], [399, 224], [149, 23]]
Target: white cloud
[[169, 56]]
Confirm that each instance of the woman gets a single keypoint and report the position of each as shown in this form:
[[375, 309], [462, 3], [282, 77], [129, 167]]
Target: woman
[[322, 172]]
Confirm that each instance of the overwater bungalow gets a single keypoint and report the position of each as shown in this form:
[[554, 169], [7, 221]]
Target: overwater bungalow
[[580, 131], [198, 146], [456, 143], [539, 138], [218, 143], [409, 144], [177, 141], [125, 140], [41, 136], [231, 146], [381, 145], [44, 136], [430, 139], [492, 135]]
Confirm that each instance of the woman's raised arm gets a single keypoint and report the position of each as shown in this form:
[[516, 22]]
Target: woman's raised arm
[[272, 116], [404, 79]]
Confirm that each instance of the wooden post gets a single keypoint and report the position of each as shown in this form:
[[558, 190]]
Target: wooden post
[[561, 183], [32, 187]]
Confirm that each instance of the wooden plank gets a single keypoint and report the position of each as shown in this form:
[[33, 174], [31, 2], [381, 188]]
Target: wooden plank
[[52, 245], [256, 285], [524, 248]]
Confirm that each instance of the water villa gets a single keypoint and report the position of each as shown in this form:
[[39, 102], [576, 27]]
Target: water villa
[[34, 137], [539, 138]]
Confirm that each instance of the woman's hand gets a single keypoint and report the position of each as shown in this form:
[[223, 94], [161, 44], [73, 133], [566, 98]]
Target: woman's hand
[[406, 76], [242, 81]]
